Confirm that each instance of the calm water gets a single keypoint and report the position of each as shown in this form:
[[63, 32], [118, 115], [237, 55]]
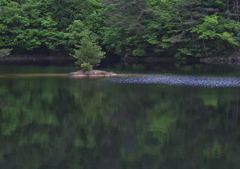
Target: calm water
[[167, 116]]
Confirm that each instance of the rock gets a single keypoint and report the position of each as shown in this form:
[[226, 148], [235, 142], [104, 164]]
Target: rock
[[91, 73], [223, 60]]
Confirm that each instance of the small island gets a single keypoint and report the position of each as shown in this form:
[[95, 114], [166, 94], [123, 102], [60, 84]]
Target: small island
[[89, 54], [91, 73]]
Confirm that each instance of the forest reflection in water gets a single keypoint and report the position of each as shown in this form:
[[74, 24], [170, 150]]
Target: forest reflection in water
[[59, 122]]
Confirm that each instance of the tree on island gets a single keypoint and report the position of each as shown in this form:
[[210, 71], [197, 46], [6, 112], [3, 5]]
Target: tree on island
[[88, 53]]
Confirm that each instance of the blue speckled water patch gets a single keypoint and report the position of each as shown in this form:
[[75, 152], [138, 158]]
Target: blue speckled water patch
[[205, 81]]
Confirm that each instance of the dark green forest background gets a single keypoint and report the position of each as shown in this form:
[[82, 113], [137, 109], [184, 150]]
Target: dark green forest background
[[128, 28]]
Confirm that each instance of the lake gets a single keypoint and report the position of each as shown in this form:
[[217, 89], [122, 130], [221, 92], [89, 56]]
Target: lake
[[171, 116]]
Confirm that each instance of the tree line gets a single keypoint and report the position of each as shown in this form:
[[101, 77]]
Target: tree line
[[137, 28]]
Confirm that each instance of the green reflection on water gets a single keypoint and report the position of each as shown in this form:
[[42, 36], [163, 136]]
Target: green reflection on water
[[59, 122]]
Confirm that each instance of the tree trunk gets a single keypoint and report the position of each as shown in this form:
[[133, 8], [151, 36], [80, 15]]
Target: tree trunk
[[191, 16], [237, 11], [190, 8]]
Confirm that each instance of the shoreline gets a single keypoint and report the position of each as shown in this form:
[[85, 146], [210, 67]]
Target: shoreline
[[220, 60], [69, 59], [35, 59]]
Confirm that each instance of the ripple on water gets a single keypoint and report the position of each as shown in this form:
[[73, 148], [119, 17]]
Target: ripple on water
[[205, 81]]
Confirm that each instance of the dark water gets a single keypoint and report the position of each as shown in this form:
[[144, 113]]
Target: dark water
[[166, 116]]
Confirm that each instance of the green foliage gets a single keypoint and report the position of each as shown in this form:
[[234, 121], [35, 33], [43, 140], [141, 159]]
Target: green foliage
[[212, 29], [207, 29], [86, 66], [229, 37], [139, 52], [55, 25], [74, 33], [89, 53], [5, 52], [27, 26], [139, 28], [221, 32]]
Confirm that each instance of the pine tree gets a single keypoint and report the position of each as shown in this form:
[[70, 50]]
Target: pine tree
[[89, 53]]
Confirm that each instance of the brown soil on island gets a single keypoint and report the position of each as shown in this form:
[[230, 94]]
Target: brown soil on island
[[91, 73]]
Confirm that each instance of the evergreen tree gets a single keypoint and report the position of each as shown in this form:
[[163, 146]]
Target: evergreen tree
[[89, 53]]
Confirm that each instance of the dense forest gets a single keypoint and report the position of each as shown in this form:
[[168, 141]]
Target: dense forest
[[137, 28]]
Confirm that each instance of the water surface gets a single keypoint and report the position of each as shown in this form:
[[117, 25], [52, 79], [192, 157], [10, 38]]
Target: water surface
[[170, 116]]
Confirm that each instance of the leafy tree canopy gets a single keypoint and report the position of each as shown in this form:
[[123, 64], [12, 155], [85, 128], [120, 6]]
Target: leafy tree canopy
[[139, 28]]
